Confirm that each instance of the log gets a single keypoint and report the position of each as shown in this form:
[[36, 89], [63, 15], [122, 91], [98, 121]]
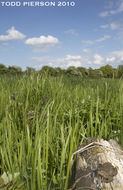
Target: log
[[97, 165]]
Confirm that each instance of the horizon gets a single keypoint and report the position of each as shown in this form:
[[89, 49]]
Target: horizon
[[23, 70], [88, 34]]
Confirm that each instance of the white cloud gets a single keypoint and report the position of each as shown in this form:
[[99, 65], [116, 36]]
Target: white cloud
[[65, 62], [74, 64], [86, 50], [110, 59], [113, 58], [73, 57], [116, 25], [75, 61], [118, 55], [103, 38], [71, 32], [13, 34], [113, 26], [90, 42], [98, 60], [117, 10], [43, 43]]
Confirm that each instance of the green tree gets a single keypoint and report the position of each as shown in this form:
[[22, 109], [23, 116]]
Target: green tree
[[72, 71], [14, 70], [120, 71], [91, 73], [3, 69], [49, 70], [108, 71], [84, 71], [59, 71], [29, 70]]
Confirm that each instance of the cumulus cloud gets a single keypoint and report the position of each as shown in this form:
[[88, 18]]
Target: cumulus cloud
[[98, 60], [110, 59], [113, 58], [42, 43], [12, 34], [117, 10], [75, 61], [67, 61], [118, 54]]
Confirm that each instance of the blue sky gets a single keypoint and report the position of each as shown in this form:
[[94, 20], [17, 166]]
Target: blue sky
[[89, 34]]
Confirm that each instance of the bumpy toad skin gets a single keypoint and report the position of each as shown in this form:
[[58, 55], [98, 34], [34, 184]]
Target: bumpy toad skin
[[107, 172]]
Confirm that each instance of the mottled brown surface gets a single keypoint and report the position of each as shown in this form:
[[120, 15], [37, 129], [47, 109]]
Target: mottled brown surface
[[107, 172], [96, 166]]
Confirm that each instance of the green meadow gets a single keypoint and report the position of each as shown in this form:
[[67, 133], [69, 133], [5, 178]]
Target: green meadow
[[44, 119]]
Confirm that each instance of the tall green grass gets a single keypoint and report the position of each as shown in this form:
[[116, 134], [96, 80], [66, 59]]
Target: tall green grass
[[44, 119]]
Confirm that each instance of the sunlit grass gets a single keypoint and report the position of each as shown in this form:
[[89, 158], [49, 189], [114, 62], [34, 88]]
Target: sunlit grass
[[44, 119]]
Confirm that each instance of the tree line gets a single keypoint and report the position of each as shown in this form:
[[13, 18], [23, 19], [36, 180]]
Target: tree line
[[106, 71]]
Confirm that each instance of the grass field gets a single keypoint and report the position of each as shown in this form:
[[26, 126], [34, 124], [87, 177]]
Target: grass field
[[44, 119]]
